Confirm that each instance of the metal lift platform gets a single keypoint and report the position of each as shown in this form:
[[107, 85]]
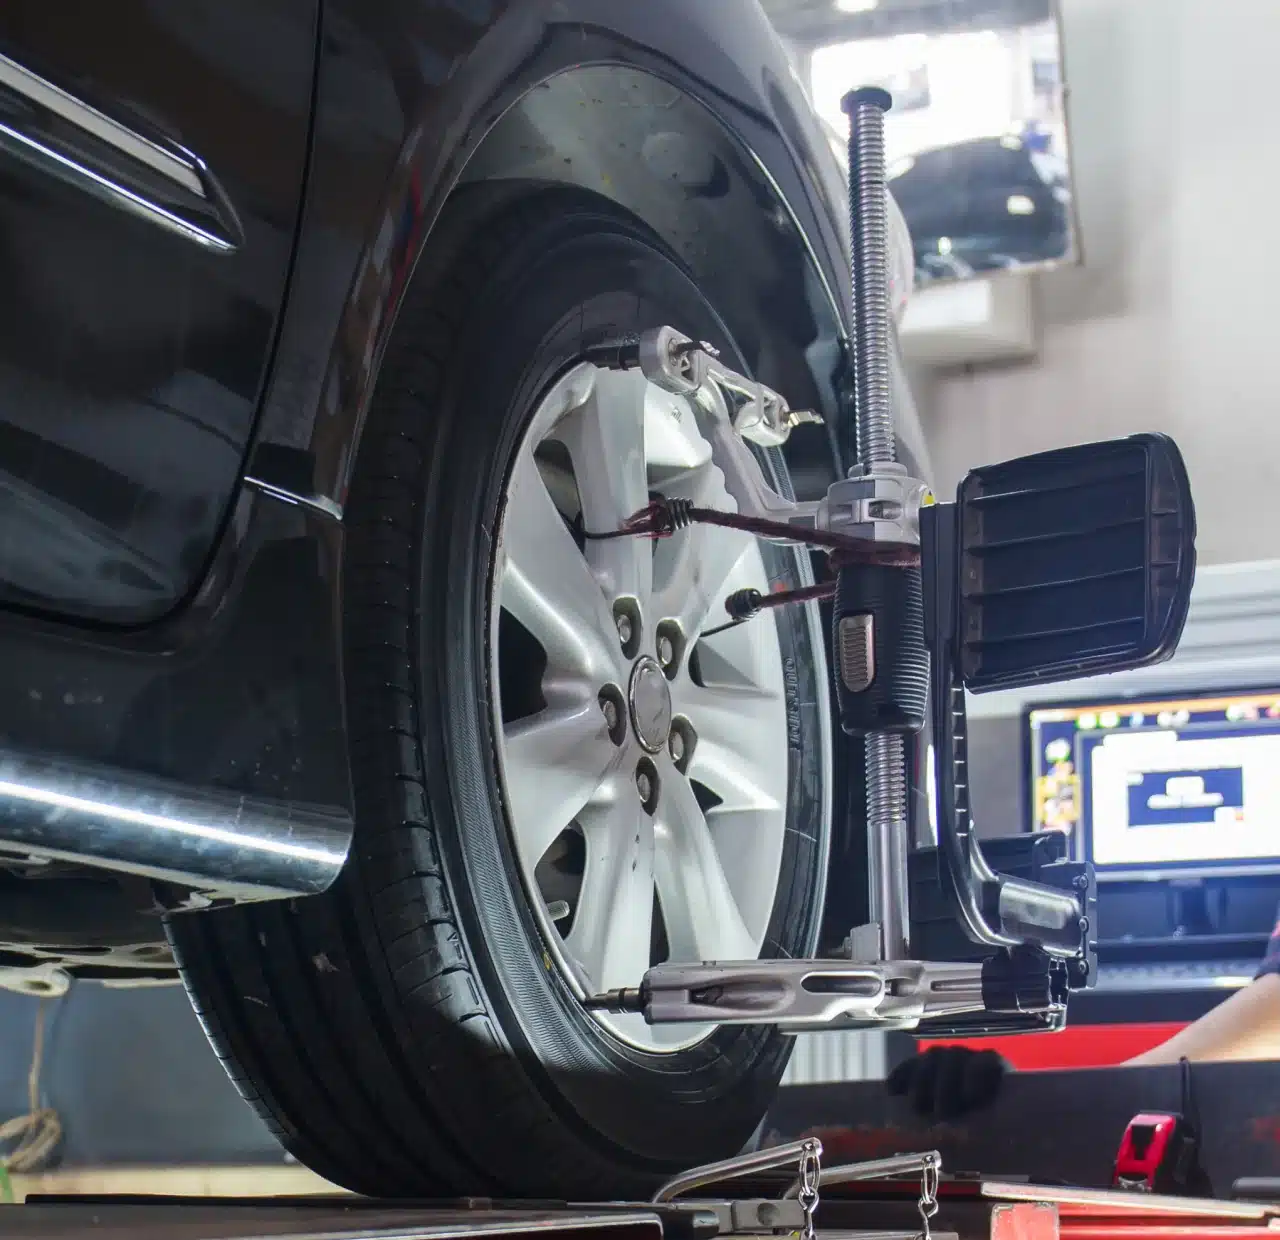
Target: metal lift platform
[[900, 1198]]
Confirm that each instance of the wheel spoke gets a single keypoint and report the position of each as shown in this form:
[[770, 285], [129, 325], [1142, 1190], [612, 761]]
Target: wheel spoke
[[613, 922], [692, 566], [702, 916], [553, 762], [605, 441], [547, 585], [738, 744], [732, 777], [746, 656], [749, 844]]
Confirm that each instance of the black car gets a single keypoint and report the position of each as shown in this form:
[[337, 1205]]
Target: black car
[[984, 205], [318, 689]]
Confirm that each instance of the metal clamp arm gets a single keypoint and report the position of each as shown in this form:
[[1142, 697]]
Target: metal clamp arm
[[800, 995], [733, 408], [743, 477], [880, 504], [743, 1164]]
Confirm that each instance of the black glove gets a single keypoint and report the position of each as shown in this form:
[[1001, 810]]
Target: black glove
[[948, 1082]]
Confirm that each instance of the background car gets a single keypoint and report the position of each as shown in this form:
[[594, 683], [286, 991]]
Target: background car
[[984, 205]]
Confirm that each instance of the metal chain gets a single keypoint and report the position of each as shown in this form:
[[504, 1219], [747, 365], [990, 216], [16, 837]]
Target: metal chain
[[928, 1206], [810, 1172]]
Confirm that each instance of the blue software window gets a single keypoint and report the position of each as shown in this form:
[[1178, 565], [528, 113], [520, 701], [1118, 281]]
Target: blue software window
[[1162, 786]]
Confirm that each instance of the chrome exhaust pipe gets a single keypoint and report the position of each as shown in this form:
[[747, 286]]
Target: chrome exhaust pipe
[[222, 845]]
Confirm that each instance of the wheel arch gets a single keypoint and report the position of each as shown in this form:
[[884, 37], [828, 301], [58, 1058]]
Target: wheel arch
[[691, 122], [641, 143]]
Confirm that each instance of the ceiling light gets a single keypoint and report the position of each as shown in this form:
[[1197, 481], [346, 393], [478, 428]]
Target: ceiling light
[[1020, 204], [856, 6]]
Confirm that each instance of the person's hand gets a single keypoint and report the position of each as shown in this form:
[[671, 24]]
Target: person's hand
[[948, 1082]]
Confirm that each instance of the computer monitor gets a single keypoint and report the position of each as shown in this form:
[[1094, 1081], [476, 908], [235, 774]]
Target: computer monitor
[[1153, 788]]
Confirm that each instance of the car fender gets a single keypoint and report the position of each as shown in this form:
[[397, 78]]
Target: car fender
[[414, 100]]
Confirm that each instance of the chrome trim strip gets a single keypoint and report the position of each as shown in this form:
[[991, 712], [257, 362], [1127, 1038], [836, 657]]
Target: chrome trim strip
[[317, 503], [121, 195], [180, 168], [222, 844], [31, 86]]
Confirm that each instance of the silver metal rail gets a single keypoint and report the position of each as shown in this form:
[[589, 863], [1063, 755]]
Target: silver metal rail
[[222, 845], [894, 1168], [734, 1168]]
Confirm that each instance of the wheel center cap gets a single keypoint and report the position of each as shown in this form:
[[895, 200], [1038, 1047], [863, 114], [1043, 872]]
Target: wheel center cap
[[650, 703]]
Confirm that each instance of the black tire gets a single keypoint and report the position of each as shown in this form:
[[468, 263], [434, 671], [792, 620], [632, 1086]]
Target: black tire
[[404, 1033]]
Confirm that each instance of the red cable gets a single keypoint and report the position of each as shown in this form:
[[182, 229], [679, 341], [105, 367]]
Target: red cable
[[663, 517]]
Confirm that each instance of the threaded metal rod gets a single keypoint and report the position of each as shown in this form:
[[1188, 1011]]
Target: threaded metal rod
[[887, 841], [877, 445], [869, 253]]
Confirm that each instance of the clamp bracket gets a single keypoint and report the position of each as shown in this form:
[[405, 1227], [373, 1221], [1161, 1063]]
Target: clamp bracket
[[803, 995]]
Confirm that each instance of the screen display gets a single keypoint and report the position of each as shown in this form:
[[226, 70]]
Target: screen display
[[1161, 786]]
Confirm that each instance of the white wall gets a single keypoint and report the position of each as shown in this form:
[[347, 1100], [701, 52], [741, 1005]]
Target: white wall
[[1173, 322]]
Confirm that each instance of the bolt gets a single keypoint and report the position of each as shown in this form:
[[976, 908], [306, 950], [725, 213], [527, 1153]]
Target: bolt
[[610, 708], [625, 630], [666, 651], [743, 604], [677, 746], [643, 786]]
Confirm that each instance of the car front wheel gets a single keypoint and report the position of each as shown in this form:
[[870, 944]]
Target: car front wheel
[[563, 774]]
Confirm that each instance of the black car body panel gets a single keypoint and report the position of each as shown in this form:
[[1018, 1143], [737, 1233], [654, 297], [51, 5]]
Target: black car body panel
[[685, 112], [133, 354]]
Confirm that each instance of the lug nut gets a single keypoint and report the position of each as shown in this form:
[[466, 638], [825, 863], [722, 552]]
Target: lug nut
[[614, 710], [625, 631], [680, 745], [647, 785], [670, 643]]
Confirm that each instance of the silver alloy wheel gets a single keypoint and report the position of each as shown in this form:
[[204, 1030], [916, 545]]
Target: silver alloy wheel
[[603, 813]]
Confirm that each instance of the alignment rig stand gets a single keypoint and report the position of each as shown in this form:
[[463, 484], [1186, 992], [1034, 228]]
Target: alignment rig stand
[[1065, 564]]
